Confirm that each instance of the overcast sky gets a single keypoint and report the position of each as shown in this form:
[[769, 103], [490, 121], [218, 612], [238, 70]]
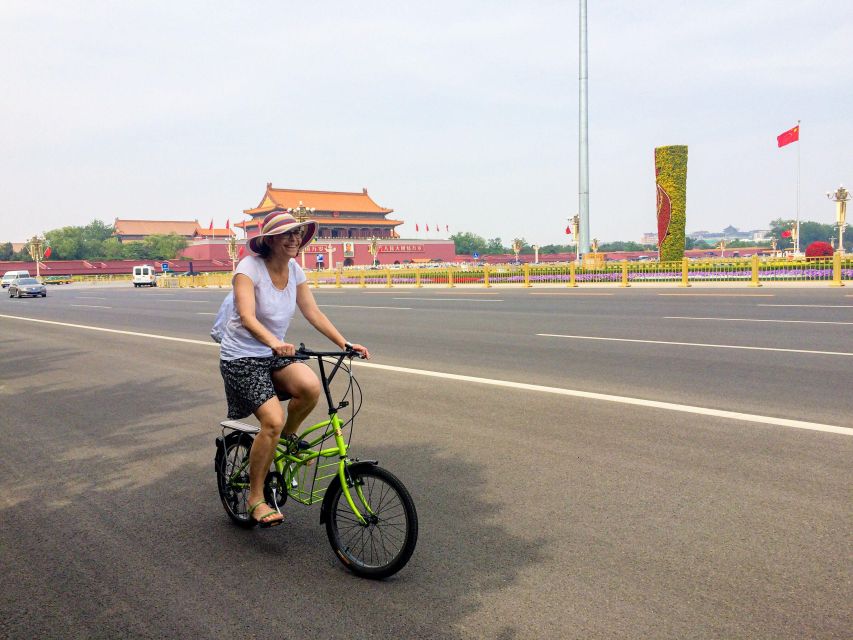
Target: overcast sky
[[460, 113]]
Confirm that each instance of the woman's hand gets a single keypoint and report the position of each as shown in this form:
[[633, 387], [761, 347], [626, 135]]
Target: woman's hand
[[362, 351], [283, 349]]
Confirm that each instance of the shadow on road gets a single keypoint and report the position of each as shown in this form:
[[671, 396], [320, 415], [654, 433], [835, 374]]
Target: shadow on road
[[111, 526]]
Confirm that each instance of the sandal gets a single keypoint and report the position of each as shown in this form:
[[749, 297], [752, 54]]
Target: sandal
[[262, 521]]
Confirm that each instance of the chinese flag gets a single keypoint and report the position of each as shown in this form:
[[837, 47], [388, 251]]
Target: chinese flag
[[427, 227], [447, 228], [786, 233], [569, 230], [210, 228], [791, 135], [228, 223], [47, 252], [417, 229], [242, 251]]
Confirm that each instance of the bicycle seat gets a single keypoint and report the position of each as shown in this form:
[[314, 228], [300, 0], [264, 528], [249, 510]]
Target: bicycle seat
[[240, 426]]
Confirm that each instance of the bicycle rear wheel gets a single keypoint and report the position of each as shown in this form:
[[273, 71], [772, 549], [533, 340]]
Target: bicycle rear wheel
[[384, 545], [234, 491]]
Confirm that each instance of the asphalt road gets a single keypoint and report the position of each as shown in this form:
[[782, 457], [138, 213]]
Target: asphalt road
[[544, 512]]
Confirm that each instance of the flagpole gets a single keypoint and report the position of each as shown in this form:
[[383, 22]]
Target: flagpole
[[799, 143]]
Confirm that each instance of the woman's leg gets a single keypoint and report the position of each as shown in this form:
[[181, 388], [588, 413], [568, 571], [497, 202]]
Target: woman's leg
[[302, 384], [271, 416]]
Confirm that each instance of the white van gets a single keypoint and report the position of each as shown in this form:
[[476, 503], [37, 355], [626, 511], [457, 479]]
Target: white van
[[13, 275], [144, 276]]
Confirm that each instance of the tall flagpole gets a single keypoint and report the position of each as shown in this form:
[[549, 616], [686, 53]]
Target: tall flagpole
[[583, 139], [799, 143]]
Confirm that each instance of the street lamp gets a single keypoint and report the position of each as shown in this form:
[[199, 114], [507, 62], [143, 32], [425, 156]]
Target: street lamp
[[301, 213], [36, 247], [330, 248], [535, 254], [232, 250], [840, 197], [373, 248], [516, 247]]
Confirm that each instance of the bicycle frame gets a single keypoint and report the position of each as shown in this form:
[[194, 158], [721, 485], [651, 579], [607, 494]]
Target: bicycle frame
[[288, 465]]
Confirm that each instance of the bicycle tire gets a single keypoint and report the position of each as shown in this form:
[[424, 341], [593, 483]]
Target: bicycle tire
[[236, 448], [384, 546]]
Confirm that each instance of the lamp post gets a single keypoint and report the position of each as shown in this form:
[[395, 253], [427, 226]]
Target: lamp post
[[723, 248], [516, 247], [36, 247], [840, 197], [301, 213], [773, 246], [594, 245], [232, 250], [373, 248], [575, 225], [535, 254], [330, 249]]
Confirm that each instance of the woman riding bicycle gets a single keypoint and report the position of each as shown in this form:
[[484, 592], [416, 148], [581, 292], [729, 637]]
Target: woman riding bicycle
[[256, 363]]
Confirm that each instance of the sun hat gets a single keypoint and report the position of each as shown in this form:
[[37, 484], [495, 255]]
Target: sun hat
[[280, 222]]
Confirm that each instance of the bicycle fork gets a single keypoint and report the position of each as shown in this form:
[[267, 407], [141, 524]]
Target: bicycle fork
[[345, 480]]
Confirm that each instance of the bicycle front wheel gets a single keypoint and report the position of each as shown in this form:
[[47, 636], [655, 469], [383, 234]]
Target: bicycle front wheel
[[382, 546]]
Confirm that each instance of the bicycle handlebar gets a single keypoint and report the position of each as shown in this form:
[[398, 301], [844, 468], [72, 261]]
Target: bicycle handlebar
[[304, 353]]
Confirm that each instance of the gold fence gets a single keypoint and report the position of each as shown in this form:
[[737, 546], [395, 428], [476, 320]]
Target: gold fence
[[753, 271]]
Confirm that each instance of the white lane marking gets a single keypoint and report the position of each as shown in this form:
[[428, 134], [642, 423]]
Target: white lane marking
[[640, 402], [205, 313], [105, 330], [88, 298], [723, 295], [362, 306], [697, 344], [567, 293], [754, 320], [185, 300], [449, 299], [91, 306], [811, 306]]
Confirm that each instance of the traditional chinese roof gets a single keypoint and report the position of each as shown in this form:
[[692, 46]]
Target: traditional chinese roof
[[339, 222], [213, 233], [339, 201], [185, 228]]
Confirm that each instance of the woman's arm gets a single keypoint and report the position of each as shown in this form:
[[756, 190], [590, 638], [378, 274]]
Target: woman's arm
[[308, 307], [244, 301]]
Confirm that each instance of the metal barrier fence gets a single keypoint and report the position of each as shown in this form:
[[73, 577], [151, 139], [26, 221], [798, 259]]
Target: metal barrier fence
[[833, 271]]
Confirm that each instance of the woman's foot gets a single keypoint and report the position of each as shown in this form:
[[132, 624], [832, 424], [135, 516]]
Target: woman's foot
[[264, 514]]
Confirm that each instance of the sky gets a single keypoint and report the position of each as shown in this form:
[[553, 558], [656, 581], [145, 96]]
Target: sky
[[460, 113]]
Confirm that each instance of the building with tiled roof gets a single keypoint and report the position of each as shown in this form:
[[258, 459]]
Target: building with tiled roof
[[339, 214], [138, 230]]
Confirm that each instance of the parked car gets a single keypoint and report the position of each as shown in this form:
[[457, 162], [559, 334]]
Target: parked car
[[57, 280], [27, 287], [9, 276]]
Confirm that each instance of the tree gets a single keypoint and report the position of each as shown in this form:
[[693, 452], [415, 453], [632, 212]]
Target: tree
[[6, 251], [467, 243], [112, 249], [495, 245], [809, 232], [164, 247]]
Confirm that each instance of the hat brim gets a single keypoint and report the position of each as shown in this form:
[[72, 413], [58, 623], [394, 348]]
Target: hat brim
[[254, 243]]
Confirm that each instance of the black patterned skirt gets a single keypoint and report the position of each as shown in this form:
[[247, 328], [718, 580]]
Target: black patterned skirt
[[248, 383]]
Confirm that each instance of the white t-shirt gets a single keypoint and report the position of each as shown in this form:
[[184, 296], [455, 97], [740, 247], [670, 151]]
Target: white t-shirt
[[274, 308]]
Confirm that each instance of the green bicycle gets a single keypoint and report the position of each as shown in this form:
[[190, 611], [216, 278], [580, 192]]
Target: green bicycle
[[370, 516]]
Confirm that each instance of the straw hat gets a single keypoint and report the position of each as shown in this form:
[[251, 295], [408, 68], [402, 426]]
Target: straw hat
[[280, 222]]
